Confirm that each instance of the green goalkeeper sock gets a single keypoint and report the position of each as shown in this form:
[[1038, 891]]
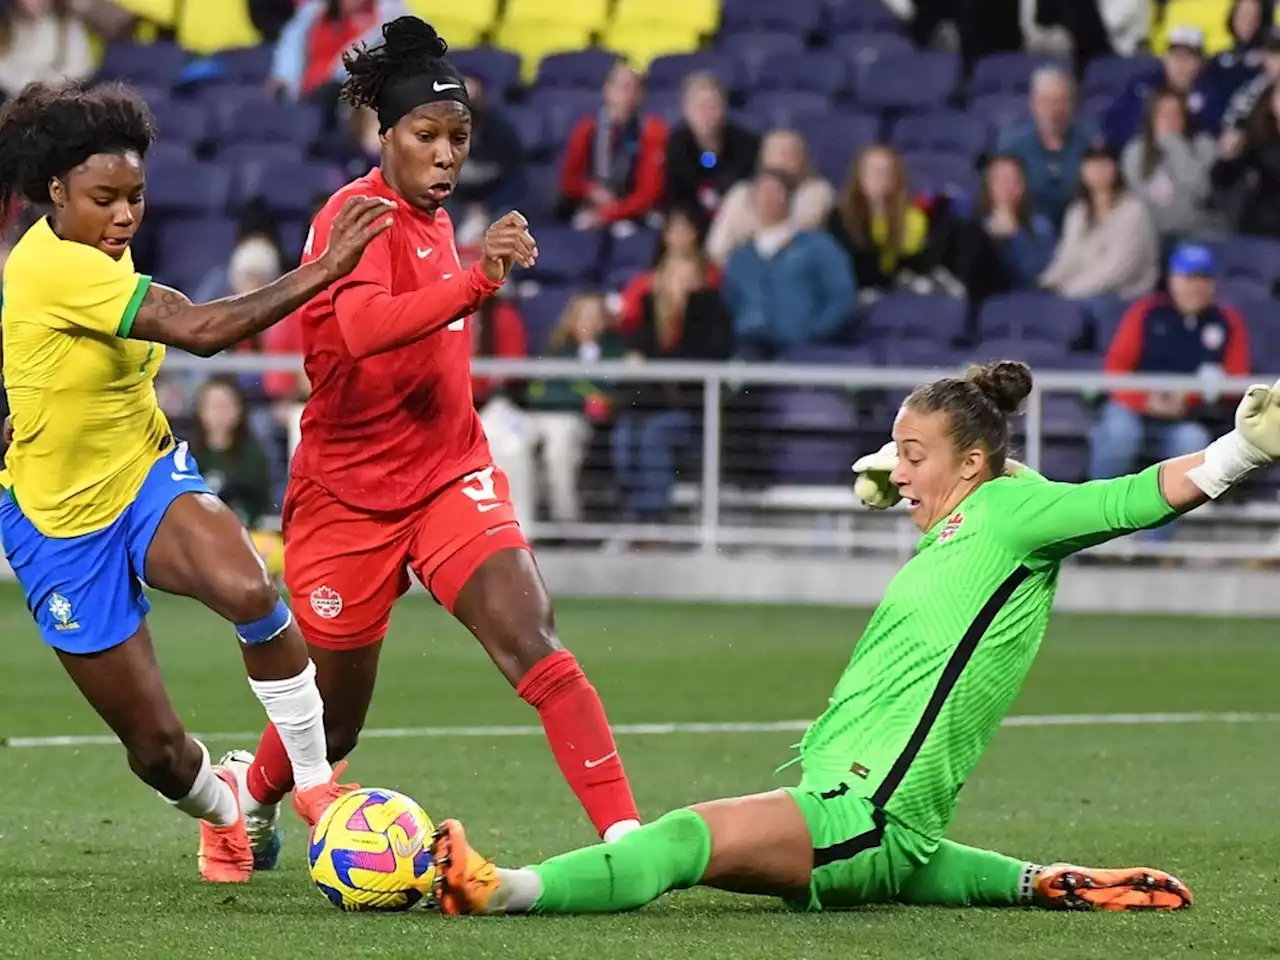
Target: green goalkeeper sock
[[960, 876], [668, 854]]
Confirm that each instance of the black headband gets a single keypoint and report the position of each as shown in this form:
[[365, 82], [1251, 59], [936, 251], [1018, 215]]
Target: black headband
[[406, 95]]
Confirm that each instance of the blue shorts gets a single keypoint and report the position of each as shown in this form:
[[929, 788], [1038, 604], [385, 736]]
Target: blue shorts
[[86, 592]]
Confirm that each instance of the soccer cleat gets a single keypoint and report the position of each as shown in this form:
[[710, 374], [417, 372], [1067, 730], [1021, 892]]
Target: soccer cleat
[[261, 823], [1066, 887], [466, 883], [225, 856], [311, 804]]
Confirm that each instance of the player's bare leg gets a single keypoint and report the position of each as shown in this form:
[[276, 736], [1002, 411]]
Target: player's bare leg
[[758, 844], [201, 550], [504, 603], [124, 686]]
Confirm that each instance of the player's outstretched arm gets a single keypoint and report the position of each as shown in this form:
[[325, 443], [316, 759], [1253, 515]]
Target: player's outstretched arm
[[168, 316]]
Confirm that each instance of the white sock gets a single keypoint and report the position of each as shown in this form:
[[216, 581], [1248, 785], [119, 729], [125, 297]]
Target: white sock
[[522, 889], [620, 830], [295, 707], [210, 798], [1027, 883]]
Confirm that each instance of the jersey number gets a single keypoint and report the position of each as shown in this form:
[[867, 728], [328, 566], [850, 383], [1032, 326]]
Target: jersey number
[[482, 493]]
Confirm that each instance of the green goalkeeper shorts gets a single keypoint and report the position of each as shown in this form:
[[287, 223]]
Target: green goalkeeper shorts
[[861, 855]]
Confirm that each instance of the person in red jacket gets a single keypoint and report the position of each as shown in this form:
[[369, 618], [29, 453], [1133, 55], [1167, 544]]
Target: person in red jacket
[[615, 162], [394, 473]]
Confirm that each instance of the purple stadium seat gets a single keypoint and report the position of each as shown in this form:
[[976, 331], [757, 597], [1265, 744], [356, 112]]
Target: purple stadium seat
[[1257, 258], [865, 16], [666, 105], [170, 151], [1065, 462], [1263, 319], [783, 108], [541, 313], [575, 70], [182, 122], [1243, 289], [820, 71], [835, 140], [290, 189], [861, 50], [811, 459], [633, 252], [246, 64], [668, 72], [809, 410], [1109, 75], [1065, 416], [797, 17], [247, 161], [531, 129], [749, 50], [1008, 72], [943, 132], [1031, 316], [260, 120], [1040, 354], [617, 278], [542, 190], [152, 64], [499, 69], [562, 109], [1001, 110], [831, 356], [1092, 108], [293, 235], [926, 353], [937, 319], [566, 255], [187, 188], [222, 99], [943, 173], [914, 81], [191, 248]]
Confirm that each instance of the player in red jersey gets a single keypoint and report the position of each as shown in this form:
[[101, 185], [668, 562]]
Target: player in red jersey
[[393, 472]]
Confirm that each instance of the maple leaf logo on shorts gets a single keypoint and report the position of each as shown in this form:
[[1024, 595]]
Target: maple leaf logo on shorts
[[326, 602]]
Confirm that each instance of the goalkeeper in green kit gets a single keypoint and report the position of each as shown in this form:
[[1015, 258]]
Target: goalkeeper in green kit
[[929, 683]]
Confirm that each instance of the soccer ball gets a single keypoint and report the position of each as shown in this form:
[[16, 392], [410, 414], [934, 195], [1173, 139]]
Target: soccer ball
[[371, 850]]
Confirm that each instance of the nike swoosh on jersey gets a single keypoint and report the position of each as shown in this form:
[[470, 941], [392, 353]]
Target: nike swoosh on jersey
[[180, 477], [592, 764], [486, 507], [424, 252]]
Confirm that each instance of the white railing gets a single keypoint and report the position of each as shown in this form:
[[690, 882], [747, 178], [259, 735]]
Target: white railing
[[844, 525]]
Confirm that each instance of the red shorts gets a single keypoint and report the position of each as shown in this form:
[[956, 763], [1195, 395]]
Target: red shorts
[[345, 568]]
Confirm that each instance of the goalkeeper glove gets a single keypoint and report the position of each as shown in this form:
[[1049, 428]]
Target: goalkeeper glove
[[873, 486], [1254, 443]]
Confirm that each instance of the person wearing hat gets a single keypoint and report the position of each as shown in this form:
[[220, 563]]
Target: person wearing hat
[[1185, 331], [1182, 68]]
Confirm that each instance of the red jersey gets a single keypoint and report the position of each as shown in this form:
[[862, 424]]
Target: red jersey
[[391, 418]]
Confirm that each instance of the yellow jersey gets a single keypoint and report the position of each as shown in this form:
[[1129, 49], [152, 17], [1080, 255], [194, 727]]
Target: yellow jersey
[[86, 424]]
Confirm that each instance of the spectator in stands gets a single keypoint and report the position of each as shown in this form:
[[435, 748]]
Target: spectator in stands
[[42, 40], [706, 154], [1168, 167], [812, 197], [562, 413], [492, 181], [1181, 69], [1248, 169], [1186, 332], [614, 161], [256, 260], [270, 17], [1232, 69], [1109, 246], [308, 55], [681, 236], [682, 320], [1024, 239], [786, 287], [1246, 97], [230, 457], [1051, 145], [884, 232]]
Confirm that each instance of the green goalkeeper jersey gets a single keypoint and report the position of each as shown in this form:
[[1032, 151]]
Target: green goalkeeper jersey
[[952, 640]]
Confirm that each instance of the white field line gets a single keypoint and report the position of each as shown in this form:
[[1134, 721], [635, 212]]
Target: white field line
[[667, 729]]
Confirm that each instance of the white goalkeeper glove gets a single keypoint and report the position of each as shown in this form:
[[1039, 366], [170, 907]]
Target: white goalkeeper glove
[[1254, 443], [873, 486]]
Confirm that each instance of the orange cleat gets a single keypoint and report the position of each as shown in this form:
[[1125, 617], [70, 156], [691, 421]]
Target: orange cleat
[[1066, 887], [466, 883], [311, 804], [225, 855]]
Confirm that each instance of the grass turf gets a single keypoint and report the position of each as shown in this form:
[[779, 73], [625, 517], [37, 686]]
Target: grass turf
[[95, 866]]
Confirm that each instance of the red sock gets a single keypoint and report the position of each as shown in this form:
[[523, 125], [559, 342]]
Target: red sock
[[578, 732], [270, 775]]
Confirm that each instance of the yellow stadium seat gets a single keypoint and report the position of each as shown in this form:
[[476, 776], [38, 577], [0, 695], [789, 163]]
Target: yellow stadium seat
[[163, 12], [462, 24], [1210, 16], [534, 40], [702, 16], [640, 43], [210, 27], [588, 14]]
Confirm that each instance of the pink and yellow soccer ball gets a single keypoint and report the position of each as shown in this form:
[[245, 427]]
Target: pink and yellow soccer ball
[[371, 850]]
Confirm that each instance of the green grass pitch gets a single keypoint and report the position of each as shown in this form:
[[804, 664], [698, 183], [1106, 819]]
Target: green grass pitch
[[93, 865]]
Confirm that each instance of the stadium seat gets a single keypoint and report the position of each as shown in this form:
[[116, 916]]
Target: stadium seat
[[1001, 110], [783, 108], [261, 120], [667, 72], [171, 151], [542, 312], [1107, 76], [154, 64], [937, 319], [181, 122], [863, 49], [634, 252], [542, 189], [532, 130], [205, 28], [1031, 317], [694, 16], [641, 43], [566, 255], [533, 41], [290, 189], [1243, 289], [1065, 462], [820, 71], [187, 188], [835, 140], [915, 81], [588, 15], [190, 248], [1209, 16], [963, 134], [1063, 416], [750, 50], [1257, 258], [807, 459], [797, 17], [831, 356], [918, 350], [943, 173], [1263, 319], [809, 410], [862, 16], [461, 24], [575, 70], [562, 109], [246, 159], [1039, 354], [498, 69], [246, 64], [1009, 72]]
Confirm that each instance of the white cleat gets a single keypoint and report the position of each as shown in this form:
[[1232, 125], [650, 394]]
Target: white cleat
[[261, 823]]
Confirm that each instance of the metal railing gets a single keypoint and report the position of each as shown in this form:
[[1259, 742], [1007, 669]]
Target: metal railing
[[868, 532]]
